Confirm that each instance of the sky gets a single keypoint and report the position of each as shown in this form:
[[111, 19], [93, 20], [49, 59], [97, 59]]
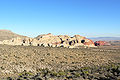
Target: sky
[[89, 18]]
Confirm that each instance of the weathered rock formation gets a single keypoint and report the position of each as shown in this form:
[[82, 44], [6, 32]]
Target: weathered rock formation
[[101, 43], [49, 40]]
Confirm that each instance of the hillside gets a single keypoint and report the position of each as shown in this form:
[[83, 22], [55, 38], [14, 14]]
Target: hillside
[[7, 34]]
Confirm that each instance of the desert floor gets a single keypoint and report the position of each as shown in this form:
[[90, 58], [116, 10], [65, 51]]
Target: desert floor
[[17, 59]]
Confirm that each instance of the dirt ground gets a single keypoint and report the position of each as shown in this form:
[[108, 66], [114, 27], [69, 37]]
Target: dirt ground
[[16, 59]]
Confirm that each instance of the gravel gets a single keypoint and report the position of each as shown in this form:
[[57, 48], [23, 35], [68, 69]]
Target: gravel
[[17, 59]]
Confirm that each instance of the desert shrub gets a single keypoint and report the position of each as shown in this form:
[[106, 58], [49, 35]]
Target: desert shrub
[[61, 73]]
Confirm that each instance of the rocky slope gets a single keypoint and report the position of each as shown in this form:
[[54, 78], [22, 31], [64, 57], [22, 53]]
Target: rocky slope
[[7, 35]]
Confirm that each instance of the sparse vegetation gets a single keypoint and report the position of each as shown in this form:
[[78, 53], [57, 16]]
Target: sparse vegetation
[[108, 73], [46, 63]]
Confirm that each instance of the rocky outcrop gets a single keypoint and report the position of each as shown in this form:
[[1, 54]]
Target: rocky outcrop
[[50, 40], [89, 43], [101, 43]]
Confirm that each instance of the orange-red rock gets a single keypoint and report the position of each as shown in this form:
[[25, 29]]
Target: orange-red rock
[[89, 43], [101, 43]]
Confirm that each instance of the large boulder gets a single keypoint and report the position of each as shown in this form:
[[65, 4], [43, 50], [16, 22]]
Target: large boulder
[[14, 41], [50, 39], [34, 42], [27, 41], [45, 45], [44, 36], [89, 43], [73, 42], [17, 41], [78, 44], [0, 42], [79, 38], [64, 37], [65, 44]]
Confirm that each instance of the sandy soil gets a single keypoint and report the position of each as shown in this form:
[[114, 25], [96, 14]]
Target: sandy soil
[[16, 59]]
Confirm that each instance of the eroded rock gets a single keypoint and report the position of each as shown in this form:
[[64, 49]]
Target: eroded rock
[[50, 40]]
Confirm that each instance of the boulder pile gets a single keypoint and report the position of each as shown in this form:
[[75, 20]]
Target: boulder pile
[[50, 40]]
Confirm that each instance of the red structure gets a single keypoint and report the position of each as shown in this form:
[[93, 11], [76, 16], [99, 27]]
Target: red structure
[[89, 42], [101, 43]]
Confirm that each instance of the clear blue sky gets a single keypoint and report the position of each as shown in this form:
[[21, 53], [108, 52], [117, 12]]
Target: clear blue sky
[[90, 18]]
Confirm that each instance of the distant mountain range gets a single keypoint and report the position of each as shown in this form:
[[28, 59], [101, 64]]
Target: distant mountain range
[[105, 38]]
